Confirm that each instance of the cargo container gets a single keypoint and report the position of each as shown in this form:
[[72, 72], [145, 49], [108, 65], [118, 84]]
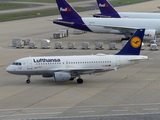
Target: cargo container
[[45, 44]]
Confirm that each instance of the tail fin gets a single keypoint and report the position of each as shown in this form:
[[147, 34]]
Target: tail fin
[[107, 9], [133, 46], [66, 11]]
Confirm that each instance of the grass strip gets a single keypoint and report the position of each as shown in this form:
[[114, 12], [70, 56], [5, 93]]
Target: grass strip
[[4, 6], [47, 1], [118, 2], [16, 16], [122, 2]]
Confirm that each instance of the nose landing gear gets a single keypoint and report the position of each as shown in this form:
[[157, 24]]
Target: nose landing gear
[[28, 79]]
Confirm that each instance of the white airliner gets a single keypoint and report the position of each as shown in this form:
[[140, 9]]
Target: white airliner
[[123, 26], [64, 68], [107, 10]]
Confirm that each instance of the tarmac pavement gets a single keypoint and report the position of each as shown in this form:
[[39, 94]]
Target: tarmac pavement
[[129, 93]]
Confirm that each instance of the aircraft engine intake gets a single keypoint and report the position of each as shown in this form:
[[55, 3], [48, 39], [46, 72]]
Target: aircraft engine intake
[[61, 76], [150, 34]]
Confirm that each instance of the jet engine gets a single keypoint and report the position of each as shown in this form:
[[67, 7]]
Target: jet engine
[[61, 76], [150, 35]]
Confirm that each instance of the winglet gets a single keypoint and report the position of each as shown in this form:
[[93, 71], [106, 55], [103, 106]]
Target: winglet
[[106, 9], [134, 44], [66, 10]]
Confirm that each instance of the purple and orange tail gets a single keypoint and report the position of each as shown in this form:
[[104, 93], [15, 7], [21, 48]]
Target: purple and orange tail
[[67, 11], [106, 9]]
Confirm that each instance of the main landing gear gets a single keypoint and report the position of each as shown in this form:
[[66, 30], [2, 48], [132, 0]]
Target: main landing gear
[[127, 38], [28, 79], [79, 80]]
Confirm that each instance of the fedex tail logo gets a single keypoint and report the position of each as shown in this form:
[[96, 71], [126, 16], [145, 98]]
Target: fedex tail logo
[[103, 5], [65, 9]]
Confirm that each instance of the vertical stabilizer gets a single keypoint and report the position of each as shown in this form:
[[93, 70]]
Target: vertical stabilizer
[[107, 9], [133, 46], [66, 11]]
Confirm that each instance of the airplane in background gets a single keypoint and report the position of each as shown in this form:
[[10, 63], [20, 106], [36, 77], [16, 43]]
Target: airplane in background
[[107, 10], [65, 68], [123, 26]]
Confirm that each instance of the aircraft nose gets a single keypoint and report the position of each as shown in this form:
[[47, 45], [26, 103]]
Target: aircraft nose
[[8, 69]]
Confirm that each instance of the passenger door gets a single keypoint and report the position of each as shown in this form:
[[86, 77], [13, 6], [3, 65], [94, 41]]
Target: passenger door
[[29, 64], [118, 61]]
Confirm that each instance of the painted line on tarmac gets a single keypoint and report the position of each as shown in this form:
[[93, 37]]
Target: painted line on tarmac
[[151, 109], [86, 111], [119, 110], [29, 114], [31, 111], [141, 79], [91, 116], [78, 107], [118, 105]]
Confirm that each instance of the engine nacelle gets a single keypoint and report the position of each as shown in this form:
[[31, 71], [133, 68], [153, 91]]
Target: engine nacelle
[[47, 76], [61, 76], [150, 35]]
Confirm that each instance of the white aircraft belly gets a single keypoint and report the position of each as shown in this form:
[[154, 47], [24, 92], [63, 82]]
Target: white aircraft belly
[[99, 25], [139, 15]]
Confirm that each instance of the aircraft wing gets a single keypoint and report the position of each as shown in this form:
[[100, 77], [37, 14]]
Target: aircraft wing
[[80, 70], [120, 28]]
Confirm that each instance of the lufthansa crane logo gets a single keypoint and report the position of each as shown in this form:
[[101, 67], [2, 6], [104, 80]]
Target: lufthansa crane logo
[[136, 42]]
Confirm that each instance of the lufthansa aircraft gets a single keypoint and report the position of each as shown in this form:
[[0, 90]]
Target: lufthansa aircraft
[[64, 68], [123, 26], [107, 10]]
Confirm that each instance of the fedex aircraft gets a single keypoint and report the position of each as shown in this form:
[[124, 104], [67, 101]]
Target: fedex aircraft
[[65, 68], [107, 10], [123, 26]]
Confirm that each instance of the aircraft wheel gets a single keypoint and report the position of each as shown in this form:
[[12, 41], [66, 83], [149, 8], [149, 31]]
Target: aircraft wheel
[[79, 80], [28, 81]]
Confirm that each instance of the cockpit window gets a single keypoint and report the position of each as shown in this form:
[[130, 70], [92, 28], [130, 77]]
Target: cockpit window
[[16, 63], [13, 63]]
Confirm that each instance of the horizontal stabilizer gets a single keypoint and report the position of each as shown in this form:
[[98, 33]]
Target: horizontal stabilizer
[[71, 23], [139, 58], [102, 16]]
